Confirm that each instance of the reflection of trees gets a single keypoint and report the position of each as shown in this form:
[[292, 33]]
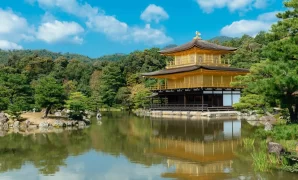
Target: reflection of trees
[[124, 135], [47, 152], [119, 134]]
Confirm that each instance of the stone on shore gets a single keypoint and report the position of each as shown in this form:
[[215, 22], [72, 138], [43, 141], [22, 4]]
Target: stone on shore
[[87, 121], [276, 148], [44, 125], [81, 124], [23, 127], [58, 124], [58, 114], [2, 133], [268, 126], [268, 119], [16, 124], [3, 118], [5, 126], [69, 124]]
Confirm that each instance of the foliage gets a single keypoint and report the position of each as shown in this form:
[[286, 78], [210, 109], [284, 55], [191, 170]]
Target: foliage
[[123, 97], [105, 81], [15, 110], [6, 55], [77, 104], [260, 161], [14, 90], [221, 39], [249, 51], [48, 93], [248, 143], [113, 57], [140, 95], [250, 102], [111, 80], [293, 168], [276, 78]]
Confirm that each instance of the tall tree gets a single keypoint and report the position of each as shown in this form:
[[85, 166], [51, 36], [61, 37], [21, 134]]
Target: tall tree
[[112, 80], [77, 104], [277, 78], [48, 93], [14, 89]]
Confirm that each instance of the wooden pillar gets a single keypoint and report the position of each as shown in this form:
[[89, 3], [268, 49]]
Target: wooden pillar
[[185, 128], [184, 99], [212, 98], [232, 130], [231, 97], [202, 99]]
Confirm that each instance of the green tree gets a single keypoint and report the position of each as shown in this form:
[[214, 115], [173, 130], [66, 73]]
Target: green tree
[[14, 90], [95, 84], [140, 95], [77, 104], [249, 51], [123, 98], [112, 79], [48, 92], [277, 78]]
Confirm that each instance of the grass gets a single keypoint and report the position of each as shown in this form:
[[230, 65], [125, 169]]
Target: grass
[[248, 143], [262, 161]]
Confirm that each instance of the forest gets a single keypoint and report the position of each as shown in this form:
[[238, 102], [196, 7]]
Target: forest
[[41, 79]]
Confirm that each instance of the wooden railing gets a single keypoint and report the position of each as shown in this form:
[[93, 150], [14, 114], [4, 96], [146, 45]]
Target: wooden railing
[[189, 85], [189, 107], [173, 64], [180, 107]]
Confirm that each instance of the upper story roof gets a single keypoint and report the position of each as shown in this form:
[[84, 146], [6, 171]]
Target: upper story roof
[[198, 43]]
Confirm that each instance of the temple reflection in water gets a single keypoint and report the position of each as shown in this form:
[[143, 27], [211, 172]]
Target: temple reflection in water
[[196, 149]]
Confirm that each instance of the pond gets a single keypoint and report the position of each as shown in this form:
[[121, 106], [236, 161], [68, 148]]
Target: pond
[[123, 146]]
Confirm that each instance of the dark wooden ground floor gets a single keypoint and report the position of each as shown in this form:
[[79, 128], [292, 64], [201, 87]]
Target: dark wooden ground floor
[[201, 100]]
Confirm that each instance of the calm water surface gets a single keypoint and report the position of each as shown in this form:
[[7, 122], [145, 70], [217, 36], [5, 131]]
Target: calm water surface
[[129, 147]]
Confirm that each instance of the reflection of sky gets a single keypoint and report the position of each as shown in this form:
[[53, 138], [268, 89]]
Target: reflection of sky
[[91, 165], [232, 128]]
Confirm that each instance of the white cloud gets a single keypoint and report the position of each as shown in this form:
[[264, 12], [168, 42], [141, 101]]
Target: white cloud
[[154, 13], [268, 17], [7, 45], [48, 17], [69, 6], [150, 36], [13, 27], [260, 4], [208, 6], [56, 31], [97, 20], [250, 27], [108, 25]]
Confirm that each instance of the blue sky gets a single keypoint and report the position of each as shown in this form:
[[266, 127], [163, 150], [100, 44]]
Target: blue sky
[[100, 27]]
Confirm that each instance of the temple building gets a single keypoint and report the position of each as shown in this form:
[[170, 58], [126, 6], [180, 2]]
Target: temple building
[[197, 78]]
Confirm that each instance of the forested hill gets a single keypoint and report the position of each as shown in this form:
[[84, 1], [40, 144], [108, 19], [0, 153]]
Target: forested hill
[[4, 55], [221, 39], [112, 57]]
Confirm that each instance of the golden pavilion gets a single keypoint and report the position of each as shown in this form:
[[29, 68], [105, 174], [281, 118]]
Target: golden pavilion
[[198, 78]]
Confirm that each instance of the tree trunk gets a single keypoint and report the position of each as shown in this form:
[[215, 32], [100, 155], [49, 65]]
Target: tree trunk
[[47, 111], [296, 113], [293, 114]]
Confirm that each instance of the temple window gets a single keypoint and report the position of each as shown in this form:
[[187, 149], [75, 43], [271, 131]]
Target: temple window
[[200, 59], [216, 60]]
